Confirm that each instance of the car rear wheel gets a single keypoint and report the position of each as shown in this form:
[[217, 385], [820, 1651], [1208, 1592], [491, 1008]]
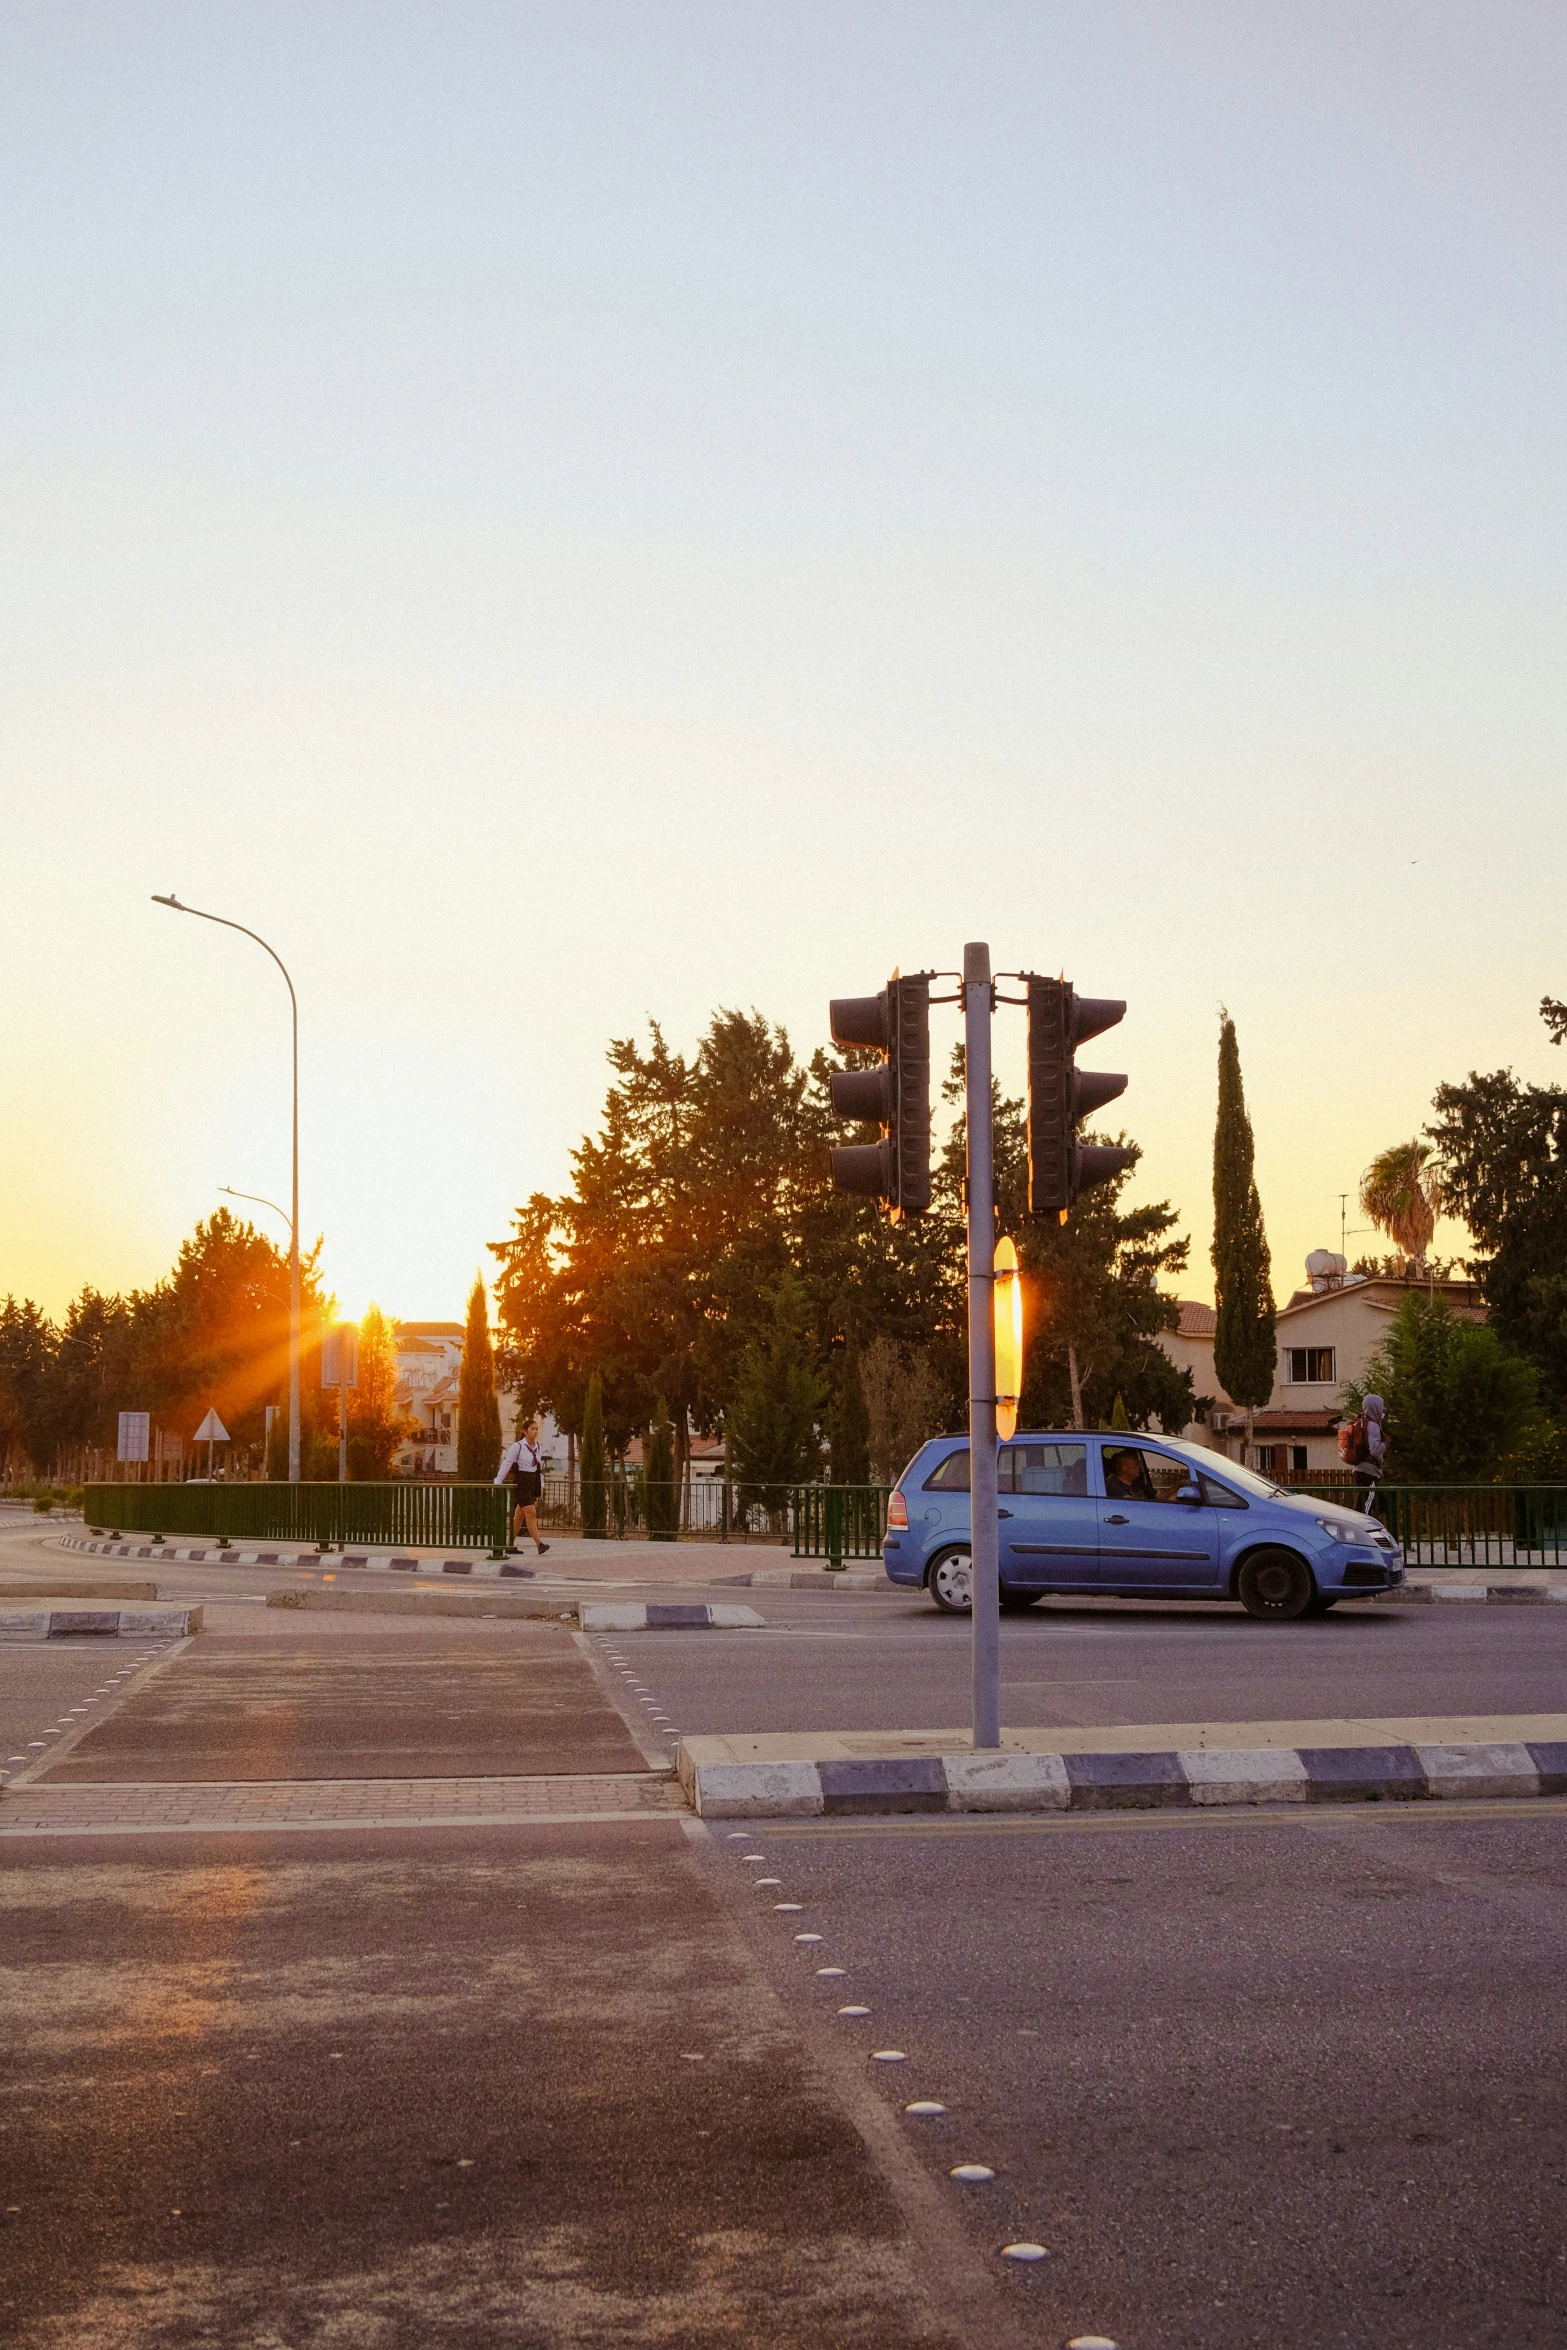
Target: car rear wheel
[[1276, 1587], [951, 1582]]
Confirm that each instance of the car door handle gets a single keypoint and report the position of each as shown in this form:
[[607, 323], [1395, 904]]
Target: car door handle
[[1115, 1519]]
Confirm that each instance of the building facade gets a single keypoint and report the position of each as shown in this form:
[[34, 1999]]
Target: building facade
[[429, 1381], [1326, 1335]]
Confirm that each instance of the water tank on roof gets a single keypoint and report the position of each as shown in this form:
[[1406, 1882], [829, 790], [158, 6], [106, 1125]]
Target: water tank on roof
[[1325, 1268]]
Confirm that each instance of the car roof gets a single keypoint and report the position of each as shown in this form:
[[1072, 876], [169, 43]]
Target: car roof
[[1080, 1436]]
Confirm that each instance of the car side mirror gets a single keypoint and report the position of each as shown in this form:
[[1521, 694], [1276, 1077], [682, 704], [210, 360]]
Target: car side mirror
[[1189, 1493]]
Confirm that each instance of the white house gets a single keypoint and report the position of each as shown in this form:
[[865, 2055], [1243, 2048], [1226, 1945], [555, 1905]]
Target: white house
[[429, 1378], [1326, 1335]]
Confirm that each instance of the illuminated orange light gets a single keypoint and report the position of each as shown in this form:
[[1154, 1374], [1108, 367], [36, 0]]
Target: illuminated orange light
[[1007, 1295]]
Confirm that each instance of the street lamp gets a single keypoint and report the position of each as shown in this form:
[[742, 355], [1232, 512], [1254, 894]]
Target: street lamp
[[293, 1246]]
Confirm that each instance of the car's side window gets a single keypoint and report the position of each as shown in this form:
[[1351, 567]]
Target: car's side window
[[1223, 1497], [1137, 1473], [1047, 1470], [951, 1475]]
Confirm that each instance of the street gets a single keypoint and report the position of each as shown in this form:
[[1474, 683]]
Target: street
[[368, 1982]]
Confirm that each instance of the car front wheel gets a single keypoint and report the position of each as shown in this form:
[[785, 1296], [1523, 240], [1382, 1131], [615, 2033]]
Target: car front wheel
[[951, 1582], [1276, 1587]]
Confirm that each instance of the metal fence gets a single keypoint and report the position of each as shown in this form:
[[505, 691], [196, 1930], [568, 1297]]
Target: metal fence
[[1436, 1525], [398, 1515], [832, 1522]]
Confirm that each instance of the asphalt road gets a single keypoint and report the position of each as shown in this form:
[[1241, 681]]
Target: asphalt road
[[463, 2088], [1250, 2080], [44, 1683], [1249, 2083], [843, 1664]]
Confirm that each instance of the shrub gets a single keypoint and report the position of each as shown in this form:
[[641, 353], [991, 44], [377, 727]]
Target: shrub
[[1458, 1400]]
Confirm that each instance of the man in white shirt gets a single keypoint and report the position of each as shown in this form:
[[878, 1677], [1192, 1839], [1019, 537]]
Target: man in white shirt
[[521, 1469]]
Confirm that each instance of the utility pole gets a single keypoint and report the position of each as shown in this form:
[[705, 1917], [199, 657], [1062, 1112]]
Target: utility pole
[[980, 1189]]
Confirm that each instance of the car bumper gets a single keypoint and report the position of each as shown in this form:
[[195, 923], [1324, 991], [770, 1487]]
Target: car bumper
[[1360, 1571], [903, 1563]]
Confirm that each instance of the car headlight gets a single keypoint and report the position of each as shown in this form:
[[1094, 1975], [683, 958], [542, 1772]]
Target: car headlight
[[1342, 1530]]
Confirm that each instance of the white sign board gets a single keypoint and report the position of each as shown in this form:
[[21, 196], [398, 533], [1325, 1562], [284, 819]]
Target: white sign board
[[134, 1428], [340, 1355], [211, 1431]]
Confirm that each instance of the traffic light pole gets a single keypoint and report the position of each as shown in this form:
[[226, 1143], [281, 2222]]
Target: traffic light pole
[[986, 1618]]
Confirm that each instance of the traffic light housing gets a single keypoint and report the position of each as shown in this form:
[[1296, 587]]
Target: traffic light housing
[[896, 1097], [1060, 1168]]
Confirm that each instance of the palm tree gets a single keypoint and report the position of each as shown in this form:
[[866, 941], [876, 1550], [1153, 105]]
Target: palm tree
[[1401, 1191]]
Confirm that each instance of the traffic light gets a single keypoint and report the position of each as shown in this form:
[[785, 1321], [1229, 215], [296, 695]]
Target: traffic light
[[1060, 1167], [896, 1097]]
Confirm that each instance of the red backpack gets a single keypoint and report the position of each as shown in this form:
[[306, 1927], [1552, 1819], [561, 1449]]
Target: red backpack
[[1352, 1445]]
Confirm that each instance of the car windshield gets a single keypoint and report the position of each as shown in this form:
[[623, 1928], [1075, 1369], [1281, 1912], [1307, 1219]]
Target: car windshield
[[1247, 1480]]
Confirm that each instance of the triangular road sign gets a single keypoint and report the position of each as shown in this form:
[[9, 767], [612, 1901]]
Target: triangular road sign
[[211, 1431]]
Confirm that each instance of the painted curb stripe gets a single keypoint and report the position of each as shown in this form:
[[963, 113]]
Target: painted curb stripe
[[1111, 1782]]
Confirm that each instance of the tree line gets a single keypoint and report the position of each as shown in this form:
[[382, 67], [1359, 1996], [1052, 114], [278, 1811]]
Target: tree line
[[213, 1333], [1466, 1401], [700, 1266]]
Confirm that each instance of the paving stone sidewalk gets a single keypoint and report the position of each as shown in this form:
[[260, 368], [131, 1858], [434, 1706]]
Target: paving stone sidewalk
[[147, 1808]]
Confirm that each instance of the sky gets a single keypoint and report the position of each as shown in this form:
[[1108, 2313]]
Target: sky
[[561, 514]]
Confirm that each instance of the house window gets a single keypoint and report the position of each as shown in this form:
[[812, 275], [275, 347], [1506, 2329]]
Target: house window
[[1311, 1366], [1298, 1460]]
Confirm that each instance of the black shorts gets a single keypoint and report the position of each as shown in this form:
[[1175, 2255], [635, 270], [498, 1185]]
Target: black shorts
[[526, 1486]]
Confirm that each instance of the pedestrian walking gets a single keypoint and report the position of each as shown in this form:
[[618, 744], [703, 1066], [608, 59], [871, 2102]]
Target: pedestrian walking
[[1362, 1445], [521, 1470]]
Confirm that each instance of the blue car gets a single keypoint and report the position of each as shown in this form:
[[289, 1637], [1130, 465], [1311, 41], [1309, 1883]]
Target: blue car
[[1133, 1517]]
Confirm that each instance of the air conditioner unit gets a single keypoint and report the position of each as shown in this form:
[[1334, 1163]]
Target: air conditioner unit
[[1219, 1422]]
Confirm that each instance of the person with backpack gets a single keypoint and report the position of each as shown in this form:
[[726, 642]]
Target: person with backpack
[[1362, 1441]]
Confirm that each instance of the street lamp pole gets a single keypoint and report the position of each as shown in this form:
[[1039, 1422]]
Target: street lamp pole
[[293, 1247]]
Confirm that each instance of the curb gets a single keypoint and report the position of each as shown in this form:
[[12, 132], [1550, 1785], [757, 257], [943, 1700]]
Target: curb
[[607, 1616], [1191, 1778], [217, 1555], [125, 1623], [1498, 1594], [819, 1579], [516, 1606]]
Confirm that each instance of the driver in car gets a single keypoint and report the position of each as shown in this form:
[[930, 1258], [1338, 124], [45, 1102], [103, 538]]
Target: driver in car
[[1126, 1479]]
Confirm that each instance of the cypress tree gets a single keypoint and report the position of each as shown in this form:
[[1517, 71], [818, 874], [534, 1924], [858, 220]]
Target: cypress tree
[[478, 1411], [851, 1421], [1243, 1353], [659, 1477], [595, 1494]]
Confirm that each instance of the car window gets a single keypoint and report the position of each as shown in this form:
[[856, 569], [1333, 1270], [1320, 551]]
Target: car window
[[1221, 1496], [1135, 1472], [1044, 1469], [951, 1476]]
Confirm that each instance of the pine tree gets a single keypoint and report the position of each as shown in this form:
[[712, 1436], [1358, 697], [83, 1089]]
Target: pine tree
[[773, 1421], [376, 1427], [595, 1493], [1243, 1353], [850, 1433], [478, 1412], [659, 1478]]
